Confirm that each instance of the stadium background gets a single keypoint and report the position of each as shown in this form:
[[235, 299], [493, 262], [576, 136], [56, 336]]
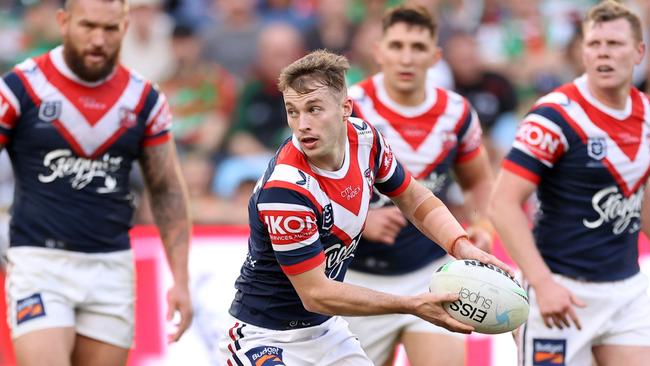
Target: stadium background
[[217, 61]]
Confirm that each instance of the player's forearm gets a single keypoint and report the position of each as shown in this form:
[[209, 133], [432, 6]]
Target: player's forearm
[[169, 205], [512, 225], [338, 298], [430, 215]]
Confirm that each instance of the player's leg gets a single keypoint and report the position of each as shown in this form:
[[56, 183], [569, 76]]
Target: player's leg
[[88, 351], [627, 336], [40, 306], [434, 349], [105, 323], [45, 347], [614, 355]]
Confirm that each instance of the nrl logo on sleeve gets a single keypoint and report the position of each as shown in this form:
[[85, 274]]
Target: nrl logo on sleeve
[[328, 217], [597, 148], [50, 111]]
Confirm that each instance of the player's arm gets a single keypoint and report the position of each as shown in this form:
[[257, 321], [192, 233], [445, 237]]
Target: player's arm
[[169, 205], [506, 211], [433, 219], [475, 178], [322, 295]]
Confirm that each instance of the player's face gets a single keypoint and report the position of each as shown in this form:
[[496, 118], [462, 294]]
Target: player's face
[[92, 35], [405, 52], [318, 120], [609, 53]]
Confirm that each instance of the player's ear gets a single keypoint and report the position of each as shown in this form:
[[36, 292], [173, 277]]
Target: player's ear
[[347, 107], [62, 19]]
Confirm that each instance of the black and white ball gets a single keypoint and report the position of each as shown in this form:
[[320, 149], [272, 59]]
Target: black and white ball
[[490, 299]]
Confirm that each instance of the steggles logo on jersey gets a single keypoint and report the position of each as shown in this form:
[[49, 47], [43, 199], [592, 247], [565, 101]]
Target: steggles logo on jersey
[[597, 148], [50, 111], [337, 254], [613, 206], [82, 171]]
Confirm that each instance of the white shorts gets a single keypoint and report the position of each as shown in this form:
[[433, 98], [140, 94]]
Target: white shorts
[[379, 333], [330, 343], [617, 313], [52, 288]]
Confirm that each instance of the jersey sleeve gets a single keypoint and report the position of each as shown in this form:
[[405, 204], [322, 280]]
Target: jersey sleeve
[[290, 218], [469, 135], [539, 144], [9, 108], [158, 121], [391, 177]]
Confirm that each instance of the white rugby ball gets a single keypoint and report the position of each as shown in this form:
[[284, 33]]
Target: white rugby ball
[[490, 299]]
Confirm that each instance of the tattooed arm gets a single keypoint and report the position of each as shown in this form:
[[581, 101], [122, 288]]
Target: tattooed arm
[[169, 205]]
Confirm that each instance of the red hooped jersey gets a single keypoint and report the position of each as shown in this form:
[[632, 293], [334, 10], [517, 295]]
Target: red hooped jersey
[[429, 139], [72, 144], [591, 164], [301, 216]]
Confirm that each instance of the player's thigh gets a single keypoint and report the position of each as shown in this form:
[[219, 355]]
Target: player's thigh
[[45, 347], [614, 355], [378, 335], [434, 349], [88, 351]]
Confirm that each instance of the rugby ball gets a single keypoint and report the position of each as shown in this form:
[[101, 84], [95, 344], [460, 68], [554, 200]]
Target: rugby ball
[[490, 299]]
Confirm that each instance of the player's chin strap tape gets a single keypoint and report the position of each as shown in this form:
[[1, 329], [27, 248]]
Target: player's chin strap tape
[[436, 218]]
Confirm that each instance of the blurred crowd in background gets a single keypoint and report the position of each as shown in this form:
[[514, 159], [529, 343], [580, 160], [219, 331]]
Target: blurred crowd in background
[[218, 60]]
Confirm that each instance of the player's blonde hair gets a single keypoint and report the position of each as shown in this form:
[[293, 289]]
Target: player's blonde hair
[[318, 68], [610, 10]]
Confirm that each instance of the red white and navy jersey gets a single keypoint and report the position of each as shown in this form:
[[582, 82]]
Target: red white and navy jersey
[[72, 144], [591, 164], [429, 139], [301, 216]]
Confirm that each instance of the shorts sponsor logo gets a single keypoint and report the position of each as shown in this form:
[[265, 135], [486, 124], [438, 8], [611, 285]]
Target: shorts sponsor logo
[[265, 356], [612, 206], [29, 308], [597, 148], [549, 352]]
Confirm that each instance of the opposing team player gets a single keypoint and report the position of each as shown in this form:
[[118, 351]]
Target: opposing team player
[[585, 149], [306, 217], [431, 131], [74, 121]]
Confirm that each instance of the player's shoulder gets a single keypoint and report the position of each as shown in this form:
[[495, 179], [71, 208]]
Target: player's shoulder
[[361, 90]]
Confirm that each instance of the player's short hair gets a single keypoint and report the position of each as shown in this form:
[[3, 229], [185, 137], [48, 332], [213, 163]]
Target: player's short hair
[[68, 3], [412, 16], [318, 68], [610, 10]]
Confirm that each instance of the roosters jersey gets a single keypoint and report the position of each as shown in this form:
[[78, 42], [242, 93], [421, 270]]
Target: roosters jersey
[[591, 164], [72, 144], [428, 139], [301, 216]]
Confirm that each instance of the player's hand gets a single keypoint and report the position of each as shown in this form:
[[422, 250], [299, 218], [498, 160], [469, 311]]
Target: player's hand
[[556, 304], [481, 233], [178, 300], [464, 249], [383, 224], [430, 308]]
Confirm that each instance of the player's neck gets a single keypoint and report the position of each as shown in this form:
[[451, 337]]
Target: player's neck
[[334, 160], [611, 97], [406, 99]]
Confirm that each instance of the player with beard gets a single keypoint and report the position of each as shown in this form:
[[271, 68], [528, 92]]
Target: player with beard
[[585, 150], [74, 121]]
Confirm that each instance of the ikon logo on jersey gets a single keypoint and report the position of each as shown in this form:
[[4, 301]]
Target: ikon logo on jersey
[[265, 356], [542, 142], [29, 308], [291, 226], [549, 352]]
